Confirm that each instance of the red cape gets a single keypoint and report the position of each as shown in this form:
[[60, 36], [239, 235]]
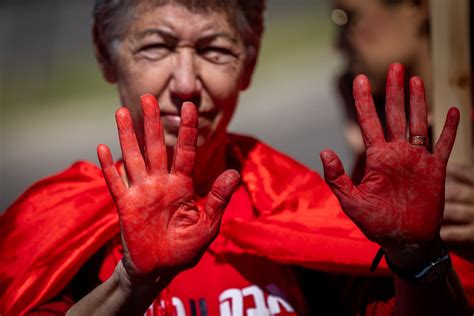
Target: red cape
[[61, 221]]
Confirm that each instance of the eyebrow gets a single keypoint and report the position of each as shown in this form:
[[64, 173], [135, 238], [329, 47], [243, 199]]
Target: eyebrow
[[213, 36], [162, 33], [169, 36]]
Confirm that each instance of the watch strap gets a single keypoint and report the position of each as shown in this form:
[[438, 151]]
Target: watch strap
[[421, 275]]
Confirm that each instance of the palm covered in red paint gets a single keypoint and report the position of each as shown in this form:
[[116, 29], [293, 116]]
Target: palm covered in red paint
[[163, 230], [401, 197]]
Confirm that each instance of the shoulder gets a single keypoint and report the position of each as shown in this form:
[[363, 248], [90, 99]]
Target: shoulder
[[71, 185], [50, 231], [65, 183]]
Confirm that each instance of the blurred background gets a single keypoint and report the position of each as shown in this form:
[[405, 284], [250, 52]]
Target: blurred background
[[55, 106]]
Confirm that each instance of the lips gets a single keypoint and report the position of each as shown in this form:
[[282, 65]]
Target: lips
[[171, 121]]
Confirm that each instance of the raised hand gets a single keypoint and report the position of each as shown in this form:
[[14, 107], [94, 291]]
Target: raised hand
[[400, 200], [163, 230]]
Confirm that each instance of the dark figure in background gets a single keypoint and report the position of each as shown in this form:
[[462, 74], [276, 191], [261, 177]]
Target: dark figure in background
[[374, 34]]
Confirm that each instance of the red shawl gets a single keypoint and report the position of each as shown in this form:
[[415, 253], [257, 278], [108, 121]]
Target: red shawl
[[61, 221]]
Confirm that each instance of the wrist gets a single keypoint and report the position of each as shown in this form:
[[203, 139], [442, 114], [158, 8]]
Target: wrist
[[133, 284], [414, 255], [425, 264]]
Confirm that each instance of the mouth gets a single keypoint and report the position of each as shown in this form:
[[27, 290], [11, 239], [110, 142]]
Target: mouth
[[171, 121]]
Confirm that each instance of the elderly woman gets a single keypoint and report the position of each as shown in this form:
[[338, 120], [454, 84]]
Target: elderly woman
[[160, 255]]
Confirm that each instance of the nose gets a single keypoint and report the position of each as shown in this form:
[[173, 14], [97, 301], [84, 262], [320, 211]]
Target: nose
[[185, 84]]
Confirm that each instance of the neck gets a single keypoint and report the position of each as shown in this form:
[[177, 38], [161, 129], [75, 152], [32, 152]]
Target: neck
[[209, 164]]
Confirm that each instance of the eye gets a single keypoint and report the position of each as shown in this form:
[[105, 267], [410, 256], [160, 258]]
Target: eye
[[217, 55], [156, 50]]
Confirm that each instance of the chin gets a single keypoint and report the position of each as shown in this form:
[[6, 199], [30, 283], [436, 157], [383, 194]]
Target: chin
[[201, 140], [170, 140]]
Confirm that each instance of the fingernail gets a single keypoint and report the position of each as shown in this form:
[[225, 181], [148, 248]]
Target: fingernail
[[361, 86], [121, 116], [189, 116], [396, 74], [148, 104]]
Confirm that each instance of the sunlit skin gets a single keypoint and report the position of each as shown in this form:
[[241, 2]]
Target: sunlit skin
[[400, 200], [177, 55]]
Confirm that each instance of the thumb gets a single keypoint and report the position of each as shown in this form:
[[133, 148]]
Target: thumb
[[221, 192], [336, 177]]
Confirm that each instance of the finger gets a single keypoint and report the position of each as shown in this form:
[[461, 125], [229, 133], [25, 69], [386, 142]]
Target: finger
[[185, 150], [458, 213], [112, 177], [459, 192], [457, 233], [154, 138], [336, 178], [461, 173], [220, 194], [418, 108], [369, 122], [132, 156], [448, 135], [395, 103]]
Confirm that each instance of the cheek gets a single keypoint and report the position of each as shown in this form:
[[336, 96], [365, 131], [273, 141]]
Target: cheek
[[142, 78], [223, 88], [147, 77], [222, 85]]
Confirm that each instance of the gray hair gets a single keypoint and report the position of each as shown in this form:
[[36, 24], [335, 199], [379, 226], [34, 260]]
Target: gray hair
[[111, 16]]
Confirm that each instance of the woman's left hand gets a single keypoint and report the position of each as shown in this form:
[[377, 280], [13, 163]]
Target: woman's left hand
[[399, 203]]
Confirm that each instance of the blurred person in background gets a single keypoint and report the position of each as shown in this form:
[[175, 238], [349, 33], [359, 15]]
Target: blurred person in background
[[374, 34], [64, 249]]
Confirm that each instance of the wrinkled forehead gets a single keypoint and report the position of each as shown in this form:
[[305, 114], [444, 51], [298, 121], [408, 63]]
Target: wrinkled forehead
[[180, 20], [119, 14], [199, 8], [191, 5]]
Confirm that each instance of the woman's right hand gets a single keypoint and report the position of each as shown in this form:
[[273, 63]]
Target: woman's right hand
[[163, 230]]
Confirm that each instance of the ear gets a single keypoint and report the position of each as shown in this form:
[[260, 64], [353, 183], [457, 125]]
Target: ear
[[251, 61], [103, 56]]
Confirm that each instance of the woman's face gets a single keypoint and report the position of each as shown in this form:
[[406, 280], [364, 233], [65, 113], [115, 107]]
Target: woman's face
[[178, 55]]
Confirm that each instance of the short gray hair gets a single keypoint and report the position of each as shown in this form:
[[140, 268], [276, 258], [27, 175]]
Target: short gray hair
[[110, 16]]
